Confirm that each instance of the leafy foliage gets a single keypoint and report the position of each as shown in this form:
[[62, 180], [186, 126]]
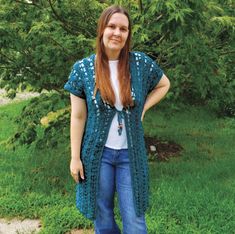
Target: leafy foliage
[[36, 125], [193, 41]]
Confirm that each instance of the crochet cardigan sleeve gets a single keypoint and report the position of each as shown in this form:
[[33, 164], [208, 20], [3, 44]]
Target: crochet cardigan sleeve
[[75, 81], [154, 74]]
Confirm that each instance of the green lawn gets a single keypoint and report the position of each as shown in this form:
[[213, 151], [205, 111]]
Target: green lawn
[[192, 193]]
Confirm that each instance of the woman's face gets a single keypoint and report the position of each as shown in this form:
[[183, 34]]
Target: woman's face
[[115, 34]]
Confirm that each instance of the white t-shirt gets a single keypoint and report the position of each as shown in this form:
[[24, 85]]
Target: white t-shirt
[[115, 140]]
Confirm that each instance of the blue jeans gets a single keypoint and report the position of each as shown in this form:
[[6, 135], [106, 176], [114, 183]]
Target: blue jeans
[[115, 174]]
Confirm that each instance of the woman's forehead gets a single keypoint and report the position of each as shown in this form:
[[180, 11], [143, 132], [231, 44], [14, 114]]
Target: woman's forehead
[[119, 19]]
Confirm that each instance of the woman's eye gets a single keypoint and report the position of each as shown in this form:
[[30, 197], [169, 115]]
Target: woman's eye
[[112, 26], [123, 29]]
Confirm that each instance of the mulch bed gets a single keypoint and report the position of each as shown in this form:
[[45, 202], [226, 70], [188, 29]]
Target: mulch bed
[[161, 150]]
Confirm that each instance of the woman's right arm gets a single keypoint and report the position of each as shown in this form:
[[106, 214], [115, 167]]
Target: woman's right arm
[[77, 124]]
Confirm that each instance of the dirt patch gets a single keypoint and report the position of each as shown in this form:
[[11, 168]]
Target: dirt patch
[[16, 226], [81, 231], [161, 150], [19, 96]]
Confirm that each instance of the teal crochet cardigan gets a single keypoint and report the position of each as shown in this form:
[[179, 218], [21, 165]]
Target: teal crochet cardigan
[[145, 75]]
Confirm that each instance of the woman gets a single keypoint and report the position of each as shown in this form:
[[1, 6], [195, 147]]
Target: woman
[[110, 94]]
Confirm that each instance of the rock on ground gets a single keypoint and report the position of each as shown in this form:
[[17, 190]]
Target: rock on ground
[[16, 226]]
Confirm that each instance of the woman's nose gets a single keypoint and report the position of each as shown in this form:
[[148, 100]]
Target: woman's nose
[[117, 31]]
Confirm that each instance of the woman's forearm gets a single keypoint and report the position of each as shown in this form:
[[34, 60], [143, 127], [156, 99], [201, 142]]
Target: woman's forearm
[[156, 95], [76, 133]]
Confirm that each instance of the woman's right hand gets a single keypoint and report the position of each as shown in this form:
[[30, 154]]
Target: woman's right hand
[[76, 168]]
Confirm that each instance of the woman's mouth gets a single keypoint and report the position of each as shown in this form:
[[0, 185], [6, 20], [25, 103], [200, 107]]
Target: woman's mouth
[[117, 41]]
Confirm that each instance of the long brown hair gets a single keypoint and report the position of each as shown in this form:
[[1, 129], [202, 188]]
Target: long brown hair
[[102, 70]]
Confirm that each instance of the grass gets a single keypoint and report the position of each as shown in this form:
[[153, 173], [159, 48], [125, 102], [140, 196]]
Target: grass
[[193, 193]]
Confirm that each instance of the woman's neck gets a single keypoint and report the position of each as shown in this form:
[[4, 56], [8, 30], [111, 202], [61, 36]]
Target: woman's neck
[[113, 55]]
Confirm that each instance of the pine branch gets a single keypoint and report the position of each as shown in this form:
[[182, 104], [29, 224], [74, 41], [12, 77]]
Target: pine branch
[[159, 17], [162, 37], [20, 67], [64, 24], [140, 6], [32, 3], [4, 55], [227, 52], [58, 44]]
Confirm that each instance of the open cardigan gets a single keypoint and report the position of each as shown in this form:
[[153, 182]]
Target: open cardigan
[[145, 75]]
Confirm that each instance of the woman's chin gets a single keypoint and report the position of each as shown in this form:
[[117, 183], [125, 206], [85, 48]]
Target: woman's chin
[[114, 48]]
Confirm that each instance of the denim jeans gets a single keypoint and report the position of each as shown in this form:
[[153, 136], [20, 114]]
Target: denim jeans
[[115, 175]]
